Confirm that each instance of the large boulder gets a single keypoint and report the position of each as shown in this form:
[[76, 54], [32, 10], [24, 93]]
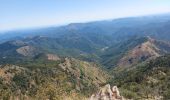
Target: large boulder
[[107, 93]]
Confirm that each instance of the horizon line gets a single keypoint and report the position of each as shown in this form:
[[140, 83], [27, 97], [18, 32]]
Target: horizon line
[[79, 22]]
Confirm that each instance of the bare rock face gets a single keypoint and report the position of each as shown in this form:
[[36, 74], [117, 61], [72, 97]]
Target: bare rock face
[[107, 93]]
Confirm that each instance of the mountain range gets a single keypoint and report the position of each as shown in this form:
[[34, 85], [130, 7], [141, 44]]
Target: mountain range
[[76, 59]]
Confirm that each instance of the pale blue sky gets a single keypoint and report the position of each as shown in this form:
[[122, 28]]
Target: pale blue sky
[[18, 14]]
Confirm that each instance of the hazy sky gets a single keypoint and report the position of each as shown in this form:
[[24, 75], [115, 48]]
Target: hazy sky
[[16, 14]]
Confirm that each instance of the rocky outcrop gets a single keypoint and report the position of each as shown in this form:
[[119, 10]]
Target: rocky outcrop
[[107, 93], [52, 57]]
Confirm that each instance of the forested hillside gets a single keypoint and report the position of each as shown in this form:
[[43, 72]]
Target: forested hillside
[[66, 78], [146, 81]]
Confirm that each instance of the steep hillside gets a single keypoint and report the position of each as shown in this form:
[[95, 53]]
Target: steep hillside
[[148, 50], [135, 51], [114, 53], [146, 81], [66, 78], [144, 51]]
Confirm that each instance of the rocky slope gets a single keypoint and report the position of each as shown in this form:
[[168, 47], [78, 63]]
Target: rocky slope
[[150, 49]]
